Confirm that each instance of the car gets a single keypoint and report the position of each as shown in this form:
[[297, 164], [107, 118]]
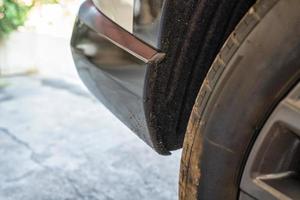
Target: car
[[218, 78]]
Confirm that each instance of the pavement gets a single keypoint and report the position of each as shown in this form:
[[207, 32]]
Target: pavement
[[58, 143]]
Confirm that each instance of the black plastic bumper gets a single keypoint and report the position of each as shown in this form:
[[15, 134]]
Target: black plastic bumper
[[113, 63]]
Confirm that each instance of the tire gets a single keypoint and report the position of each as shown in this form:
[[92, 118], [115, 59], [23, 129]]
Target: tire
[[256, 68]]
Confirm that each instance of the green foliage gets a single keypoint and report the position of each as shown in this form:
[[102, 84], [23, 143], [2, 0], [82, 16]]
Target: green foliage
[[46, 1], [12, 15]]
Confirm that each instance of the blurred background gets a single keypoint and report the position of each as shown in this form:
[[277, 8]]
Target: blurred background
[[56, 141]]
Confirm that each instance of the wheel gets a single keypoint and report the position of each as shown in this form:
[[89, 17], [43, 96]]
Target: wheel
[[255, 70]]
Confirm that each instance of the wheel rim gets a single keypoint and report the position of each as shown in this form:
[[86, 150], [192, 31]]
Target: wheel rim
[[273, 167]]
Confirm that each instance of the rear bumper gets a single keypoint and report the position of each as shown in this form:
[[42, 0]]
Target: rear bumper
[[113, 65]]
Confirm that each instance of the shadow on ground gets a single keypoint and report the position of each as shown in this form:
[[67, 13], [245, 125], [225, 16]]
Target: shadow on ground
[[58, 143]]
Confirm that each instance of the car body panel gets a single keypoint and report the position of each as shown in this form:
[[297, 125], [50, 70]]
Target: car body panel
[[142, 18], [148, 71], [113, 64]]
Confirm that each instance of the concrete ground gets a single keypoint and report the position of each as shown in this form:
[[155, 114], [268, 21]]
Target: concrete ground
[[59, 143]]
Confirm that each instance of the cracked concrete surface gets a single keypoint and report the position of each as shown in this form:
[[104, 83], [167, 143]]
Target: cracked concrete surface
[[57, 142]]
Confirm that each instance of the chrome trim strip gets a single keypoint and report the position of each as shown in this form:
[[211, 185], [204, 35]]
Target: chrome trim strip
[[113, 65], [98, 22], [142, 18], [147, 20], [119, 11]]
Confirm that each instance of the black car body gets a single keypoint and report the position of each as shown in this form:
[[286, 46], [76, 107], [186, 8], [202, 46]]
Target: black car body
[[139, 57], [219, 78]]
